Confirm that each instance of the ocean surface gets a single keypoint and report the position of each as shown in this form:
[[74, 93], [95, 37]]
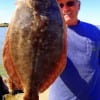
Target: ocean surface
[[2, 37]]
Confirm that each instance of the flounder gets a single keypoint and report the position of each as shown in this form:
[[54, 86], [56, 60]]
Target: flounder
[[34, 52]]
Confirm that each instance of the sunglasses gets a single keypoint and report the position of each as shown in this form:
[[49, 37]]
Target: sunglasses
[[68, 4]]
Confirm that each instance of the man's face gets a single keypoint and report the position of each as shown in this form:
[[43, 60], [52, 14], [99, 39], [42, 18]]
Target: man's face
[[70, 10]]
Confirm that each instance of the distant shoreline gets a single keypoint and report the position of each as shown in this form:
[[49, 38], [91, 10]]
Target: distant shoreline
[[4, 24]]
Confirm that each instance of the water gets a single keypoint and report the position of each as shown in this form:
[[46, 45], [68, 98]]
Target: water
[[2, 37]]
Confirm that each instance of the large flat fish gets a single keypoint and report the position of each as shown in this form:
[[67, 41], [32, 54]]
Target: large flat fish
[[34, 52]]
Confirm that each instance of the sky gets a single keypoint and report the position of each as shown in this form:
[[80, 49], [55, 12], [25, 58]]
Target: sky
[[89, 11]]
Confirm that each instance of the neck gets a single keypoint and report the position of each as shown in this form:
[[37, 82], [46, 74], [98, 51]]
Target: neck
[[72, 23]]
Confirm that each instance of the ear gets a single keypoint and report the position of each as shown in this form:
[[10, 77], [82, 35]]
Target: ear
[[79, 4]]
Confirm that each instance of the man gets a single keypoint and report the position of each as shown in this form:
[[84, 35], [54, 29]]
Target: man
[[81, 78]]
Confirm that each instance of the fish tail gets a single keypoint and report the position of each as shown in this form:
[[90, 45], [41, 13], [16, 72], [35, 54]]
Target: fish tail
[[32, 94]]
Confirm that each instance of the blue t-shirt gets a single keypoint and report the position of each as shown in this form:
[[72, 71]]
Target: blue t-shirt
[[81, 78]]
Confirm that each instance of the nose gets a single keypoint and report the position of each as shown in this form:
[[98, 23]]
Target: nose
[[65, 9]]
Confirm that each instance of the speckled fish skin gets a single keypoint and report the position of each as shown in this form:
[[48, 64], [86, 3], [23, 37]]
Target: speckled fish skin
[[36, 46]]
